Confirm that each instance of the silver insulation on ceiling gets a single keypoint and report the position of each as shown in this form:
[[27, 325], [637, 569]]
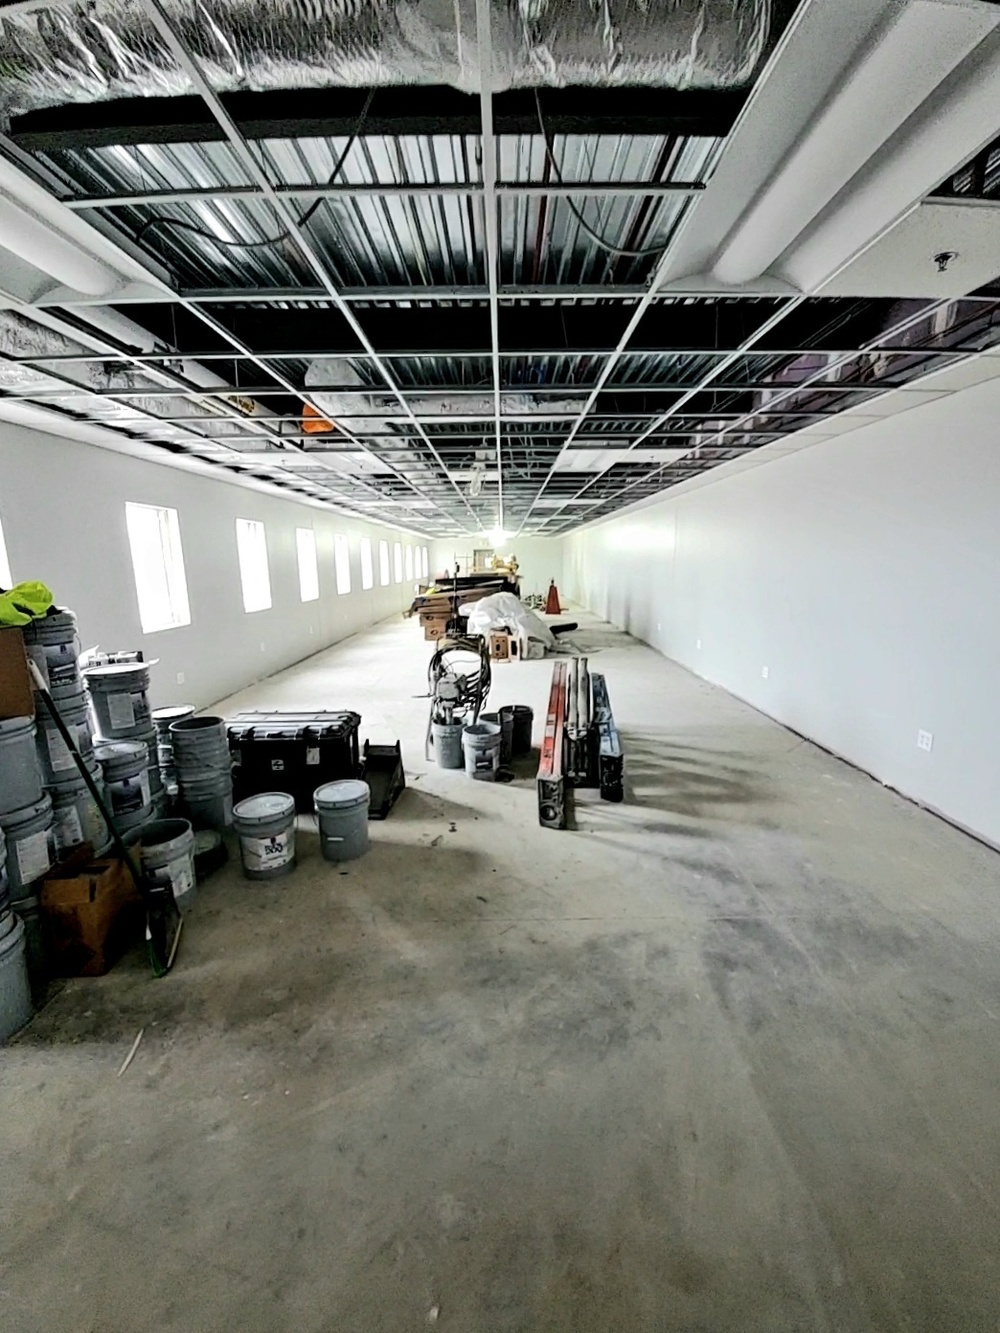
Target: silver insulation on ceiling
[[22, 338], [105, 49]]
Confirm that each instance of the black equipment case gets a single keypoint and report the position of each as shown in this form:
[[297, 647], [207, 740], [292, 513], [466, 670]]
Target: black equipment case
[[292, 752]]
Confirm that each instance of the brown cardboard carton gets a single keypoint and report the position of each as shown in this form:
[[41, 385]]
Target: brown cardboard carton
[[17, 696], [91, 914]]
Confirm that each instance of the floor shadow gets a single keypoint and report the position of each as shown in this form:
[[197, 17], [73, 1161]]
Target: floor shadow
[[680, 780]]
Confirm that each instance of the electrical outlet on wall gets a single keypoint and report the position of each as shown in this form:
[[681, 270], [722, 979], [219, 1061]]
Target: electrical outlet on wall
[[180, 678], [697, 643], [925, 740], [659, 627], [263, 648], [765, 672]]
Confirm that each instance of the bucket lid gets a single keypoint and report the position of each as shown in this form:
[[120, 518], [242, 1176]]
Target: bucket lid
[[264, 808], [14, 819], [120, 752], [341, 795], [115, 673], [176, 714], [15, 726]]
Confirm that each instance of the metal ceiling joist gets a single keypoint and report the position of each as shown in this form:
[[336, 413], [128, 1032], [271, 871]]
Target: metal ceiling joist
[[525, 189], [333, 112]]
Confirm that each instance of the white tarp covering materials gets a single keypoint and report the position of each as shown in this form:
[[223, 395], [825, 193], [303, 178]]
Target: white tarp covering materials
[[505, 611], [103, 49]]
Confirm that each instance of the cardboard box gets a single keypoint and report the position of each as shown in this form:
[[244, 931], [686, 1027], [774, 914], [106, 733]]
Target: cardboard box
[[91, 914], [500, 646], [17, 695]]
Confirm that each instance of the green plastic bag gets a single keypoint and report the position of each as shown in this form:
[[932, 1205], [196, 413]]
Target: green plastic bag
[[24, 602]]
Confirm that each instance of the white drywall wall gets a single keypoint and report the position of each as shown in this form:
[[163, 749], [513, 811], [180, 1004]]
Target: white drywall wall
[[539, 558], [862, 572], [62, 506]]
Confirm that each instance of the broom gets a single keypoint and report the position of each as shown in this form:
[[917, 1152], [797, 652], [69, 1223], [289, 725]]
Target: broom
[[163, 919]]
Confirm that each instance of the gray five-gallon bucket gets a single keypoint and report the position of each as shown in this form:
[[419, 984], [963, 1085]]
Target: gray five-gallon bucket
[[148, 738], [266, 827], [522, 717], [75, 814], [163, 720], [199, 742], [342, 814], [481, 742], [30, 844], [506, 724], [207, 798], [447, 741], [118, 699], [53, 645], [15, 989], [20, 779], [123, 764], [53, 752], [167, 857]]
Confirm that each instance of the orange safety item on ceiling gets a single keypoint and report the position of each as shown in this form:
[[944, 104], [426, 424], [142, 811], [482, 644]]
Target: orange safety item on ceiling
[[313, 423]]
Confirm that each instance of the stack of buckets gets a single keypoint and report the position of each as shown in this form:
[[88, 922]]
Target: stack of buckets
[[37, 823], [163, 720], [126, 742], [52, 642], [204, 771]]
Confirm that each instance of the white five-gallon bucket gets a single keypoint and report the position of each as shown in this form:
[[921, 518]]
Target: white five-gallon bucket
[[15, 991], [481, 742], [30, 844], [447, 740], [126, 781], [342, 814], [20, 778], [75, 814], [53, 645], [168, 857], [56, 761], [118, 699], [266, 828]]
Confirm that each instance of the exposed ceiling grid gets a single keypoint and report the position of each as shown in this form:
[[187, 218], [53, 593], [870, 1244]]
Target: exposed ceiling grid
[[485, 293]]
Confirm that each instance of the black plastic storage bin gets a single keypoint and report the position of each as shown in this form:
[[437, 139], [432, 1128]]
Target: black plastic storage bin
[[292, 752]]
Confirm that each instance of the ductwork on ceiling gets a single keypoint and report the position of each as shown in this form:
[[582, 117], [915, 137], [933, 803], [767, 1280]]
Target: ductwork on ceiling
[[104, 49], [377, 413]]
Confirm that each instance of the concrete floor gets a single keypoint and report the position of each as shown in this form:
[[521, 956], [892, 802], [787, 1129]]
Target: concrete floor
[[725, 1058]]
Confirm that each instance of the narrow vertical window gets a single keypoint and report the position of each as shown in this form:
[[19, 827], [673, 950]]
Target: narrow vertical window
[[255, 576], [367, 569], [342, 561], [305, 549], [383, 564], [154, 539]]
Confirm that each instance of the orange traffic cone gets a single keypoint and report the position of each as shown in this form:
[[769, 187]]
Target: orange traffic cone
[[552, 607]]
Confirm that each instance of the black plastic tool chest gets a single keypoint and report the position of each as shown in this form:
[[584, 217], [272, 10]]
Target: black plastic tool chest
[[292, 752]]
